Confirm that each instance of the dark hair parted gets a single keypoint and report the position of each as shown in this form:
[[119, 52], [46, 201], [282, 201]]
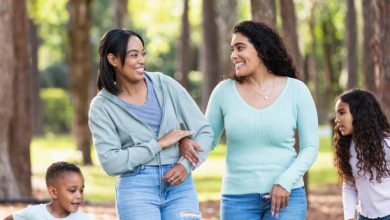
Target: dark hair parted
[[269, 47], [57, 169], [370, 127], [114, 42]]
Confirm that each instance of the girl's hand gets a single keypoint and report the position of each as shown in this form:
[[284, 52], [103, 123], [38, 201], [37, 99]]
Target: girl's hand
[[175, 175], [172, 137], [188, 150], [279, 198]]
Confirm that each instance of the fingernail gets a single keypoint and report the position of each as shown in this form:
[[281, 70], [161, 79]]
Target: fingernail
[[273, 214], [267, 196], [276, 215]]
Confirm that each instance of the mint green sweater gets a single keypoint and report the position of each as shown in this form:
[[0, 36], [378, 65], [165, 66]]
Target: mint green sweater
[[260, 143]]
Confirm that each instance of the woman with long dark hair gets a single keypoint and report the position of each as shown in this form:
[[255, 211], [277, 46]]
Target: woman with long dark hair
[[260, 108]]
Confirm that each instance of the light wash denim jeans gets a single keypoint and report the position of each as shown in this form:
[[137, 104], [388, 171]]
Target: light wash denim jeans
[[255, 207], [387, 217], [142, 195]]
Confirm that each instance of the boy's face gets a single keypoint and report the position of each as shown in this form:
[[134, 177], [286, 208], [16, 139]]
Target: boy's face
[[67, 192]]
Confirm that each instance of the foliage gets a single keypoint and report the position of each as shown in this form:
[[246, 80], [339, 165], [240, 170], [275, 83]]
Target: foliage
[[55, 76], [52, 18], [57, 110]]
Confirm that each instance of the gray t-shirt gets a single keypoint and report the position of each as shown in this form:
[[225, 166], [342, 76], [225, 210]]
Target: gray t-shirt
[[40, 212]]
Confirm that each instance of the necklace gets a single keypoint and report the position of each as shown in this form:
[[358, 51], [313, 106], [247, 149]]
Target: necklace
[[265, 97]]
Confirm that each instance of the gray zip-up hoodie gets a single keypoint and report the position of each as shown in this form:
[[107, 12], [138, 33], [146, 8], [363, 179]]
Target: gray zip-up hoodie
[[123, 142]]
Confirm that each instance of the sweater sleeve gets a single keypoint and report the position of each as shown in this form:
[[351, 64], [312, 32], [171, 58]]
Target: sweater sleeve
[[214, 114], [349, 193], [194, 120], [307, 125], [114, 159]]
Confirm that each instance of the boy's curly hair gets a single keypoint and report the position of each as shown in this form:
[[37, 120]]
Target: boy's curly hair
[[58, 168]]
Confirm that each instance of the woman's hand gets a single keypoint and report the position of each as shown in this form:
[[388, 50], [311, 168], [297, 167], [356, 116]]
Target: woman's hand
[[279, 198], [172, 137], [175, 175], [188, 150]]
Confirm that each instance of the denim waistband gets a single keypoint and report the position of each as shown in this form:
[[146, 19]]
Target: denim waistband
[[142, 167]]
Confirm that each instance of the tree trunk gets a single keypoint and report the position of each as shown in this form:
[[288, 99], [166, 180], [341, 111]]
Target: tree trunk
[[313, 68], [20, 124], [227, 18], [264, 11], [382, 51], [209, 51], [351, 44], [328, 72], [184, 50], [36, 113], [80, 72], [290, 35], [121, 13], [7, 178], [368, 34]]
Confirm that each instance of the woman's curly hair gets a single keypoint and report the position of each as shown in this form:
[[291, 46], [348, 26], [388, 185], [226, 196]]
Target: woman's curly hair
[[370, 128], [269, 47]]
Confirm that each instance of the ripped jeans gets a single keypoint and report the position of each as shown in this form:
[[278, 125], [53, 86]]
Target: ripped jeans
[[142, 195]]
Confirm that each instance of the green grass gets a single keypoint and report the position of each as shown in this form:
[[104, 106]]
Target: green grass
[[101, 188]]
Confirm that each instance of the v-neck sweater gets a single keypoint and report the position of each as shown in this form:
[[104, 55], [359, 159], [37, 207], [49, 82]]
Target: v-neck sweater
[[260, 142]]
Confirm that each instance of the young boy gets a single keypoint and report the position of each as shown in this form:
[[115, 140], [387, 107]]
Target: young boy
[[65, 184]]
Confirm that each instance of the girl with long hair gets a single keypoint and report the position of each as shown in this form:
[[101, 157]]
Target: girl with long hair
[[362, 155]]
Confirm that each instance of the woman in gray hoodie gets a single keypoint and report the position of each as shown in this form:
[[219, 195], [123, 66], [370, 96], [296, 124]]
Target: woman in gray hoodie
[[137, 120]]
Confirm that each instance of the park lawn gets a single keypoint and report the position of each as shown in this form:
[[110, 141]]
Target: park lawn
[[99, 187]]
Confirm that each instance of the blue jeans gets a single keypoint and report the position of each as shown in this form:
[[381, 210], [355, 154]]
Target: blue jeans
[[255, 207], [381, 218], [142, 195]]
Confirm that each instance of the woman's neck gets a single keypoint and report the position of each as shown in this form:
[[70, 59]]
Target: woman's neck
[[260, 78], [134, 93]]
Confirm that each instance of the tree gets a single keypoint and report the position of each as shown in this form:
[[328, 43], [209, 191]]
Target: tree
[[290, 34], [264, 11], [80, 73], [313, 66], [36, 113], [184, 50], [227, 18], [381, 52], [331, 40], [368, 57], [20, 124], [351, 43], [7, 177], [121, 13], [209, 50]]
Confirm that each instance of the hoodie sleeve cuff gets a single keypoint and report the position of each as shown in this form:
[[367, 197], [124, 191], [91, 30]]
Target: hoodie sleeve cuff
[[186, 165]]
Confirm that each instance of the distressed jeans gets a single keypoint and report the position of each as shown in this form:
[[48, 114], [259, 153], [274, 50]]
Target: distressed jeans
[[256, 207], [142, 195]]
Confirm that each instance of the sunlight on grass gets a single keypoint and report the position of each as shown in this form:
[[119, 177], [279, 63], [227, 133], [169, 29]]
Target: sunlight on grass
[[208, 177], [322, 171]]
